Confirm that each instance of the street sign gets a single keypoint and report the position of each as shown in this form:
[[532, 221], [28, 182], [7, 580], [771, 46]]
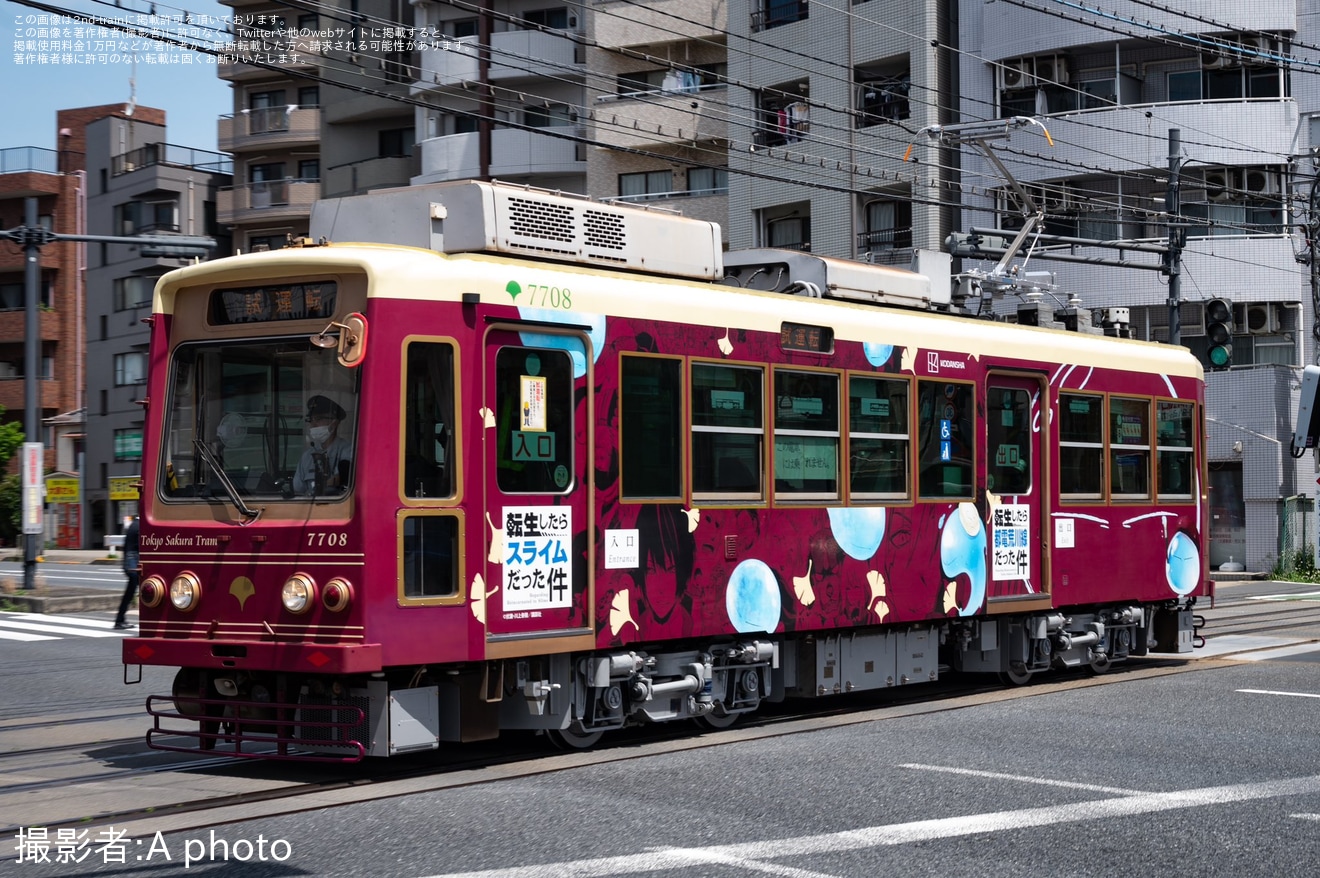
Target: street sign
[[33, 488]]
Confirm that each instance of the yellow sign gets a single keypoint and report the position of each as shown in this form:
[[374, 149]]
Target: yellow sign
[[124, 488], [62, 490]]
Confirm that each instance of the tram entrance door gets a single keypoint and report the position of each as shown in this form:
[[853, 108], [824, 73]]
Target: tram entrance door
[[1016, 417], [537, 482]]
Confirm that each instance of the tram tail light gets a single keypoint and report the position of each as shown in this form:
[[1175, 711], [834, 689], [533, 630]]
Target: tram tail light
[[337, 594], [151, 592]]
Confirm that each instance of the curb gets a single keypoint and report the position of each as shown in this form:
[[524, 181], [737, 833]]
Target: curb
[[48, 603]]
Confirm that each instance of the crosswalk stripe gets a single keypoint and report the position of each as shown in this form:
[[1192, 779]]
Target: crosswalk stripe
[[26, 638], [59, 620], [9, 622]]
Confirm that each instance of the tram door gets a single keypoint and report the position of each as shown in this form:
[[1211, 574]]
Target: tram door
[[1015, 420], [536, 486]]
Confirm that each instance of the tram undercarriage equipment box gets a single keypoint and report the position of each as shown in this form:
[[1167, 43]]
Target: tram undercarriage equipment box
[[830, 665], [1174, 631], [401, 721]]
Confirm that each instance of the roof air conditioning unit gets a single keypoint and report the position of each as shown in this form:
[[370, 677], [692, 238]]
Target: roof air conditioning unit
[[1016, 74], [1221, 184], [1262, 318], [1052, 68], [1259, 181], [1217, 59]]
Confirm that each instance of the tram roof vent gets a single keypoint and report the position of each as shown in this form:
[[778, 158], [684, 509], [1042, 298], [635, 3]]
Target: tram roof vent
[[798, 273], [472, 216]]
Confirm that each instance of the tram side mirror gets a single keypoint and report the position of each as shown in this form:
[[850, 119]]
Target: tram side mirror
[[348, 338], [1307, 428]]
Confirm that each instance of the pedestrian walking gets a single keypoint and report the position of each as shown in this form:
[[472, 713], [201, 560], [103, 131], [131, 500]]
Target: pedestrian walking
[[133, 568]]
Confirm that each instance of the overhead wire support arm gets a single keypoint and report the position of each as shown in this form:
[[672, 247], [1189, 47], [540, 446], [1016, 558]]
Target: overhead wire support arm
[[980, 136]]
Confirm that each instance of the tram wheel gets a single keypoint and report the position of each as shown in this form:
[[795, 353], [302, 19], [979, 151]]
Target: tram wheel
[[571, 739], [716, 720], [1015, 677], [1099, 665]]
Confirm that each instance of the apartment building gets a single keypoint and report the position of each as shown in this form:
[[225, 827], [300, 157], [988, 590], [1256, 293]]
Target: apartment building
[[138, 184]]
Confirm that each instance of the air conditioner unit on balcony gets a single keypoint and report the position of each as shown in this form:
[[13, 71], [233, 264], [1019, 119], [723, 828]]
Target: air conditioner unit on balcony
[[1262, 318], [1222, 184], [1052, 68], [1265, 47], [1261, 181], [1218, 59], [1016, 74]]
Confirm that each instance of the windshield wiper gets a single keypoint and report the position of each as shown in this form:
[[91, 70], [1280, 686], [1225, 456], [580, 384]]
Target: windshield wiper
[[216, 467]]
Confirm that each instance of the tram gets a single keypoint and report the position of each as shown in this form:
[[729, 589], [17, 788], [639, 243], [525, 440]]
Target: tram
[[520, 460]]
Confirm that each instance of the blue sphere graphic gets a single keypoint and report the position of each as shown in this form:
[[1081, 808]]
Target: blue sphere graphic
[[1182, 564], [858, 531], [962, 550], [752, 600], [877, 354]]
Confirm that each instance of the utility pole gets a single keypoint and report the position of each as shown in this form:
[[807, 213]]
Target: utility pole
[[1173, 262], [31, 237]]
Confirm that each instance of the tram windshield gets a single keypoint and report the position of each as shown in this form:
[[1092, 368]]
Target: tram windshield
[[270, 419]]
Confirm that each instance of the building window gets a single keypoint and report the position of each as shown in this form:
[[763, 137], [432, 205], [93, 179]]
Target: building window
[[461, 27], [133, 292], [309, 169], [1129, 449], [806, 435], [258, 243], [708, 181], [728, 431], [946, 446], [309, 96], [785, 118], [651, 427], [774, 13], [888, 226], [130, 368], [556, 18], [128, 444], [551, 116], [1081, 447], [878, 463], [646, 185], [789, 233], [882, 98], [396, 142]]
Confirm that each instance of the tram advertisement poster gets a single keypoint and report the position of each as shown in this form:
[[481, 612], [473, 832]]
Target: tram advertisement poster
[[1011, 532], [537, 569]]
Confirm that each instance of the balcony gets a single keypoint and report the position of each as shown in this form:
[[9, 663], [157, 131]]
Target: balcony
[[354, 178], [270, 127], [656, 118], [514, 154], [536, 56], [272, 200], [624, 23]]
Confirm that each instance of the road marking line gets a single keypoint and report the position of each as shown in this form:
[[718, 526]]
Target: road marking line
[[26, 638], [1265, 655], [56, 629], [669, 860], [1276, 692], [995, 775], [61, 620], [1306, 816]]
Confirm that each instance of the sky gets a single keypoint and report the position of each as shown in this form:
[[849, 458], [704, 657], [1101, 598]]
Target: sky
[[36, 82]]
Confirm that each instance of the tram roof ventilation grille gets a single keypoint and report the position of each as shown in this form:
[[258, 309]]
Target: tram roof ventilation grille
[[473, 216]]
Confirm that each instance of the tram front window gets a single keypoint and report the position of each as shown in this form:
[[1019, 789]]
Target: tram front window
[[277, 416]]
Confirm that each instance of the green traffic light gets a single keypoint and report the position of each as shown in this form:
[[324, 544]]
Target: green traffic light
[[1220, 355]]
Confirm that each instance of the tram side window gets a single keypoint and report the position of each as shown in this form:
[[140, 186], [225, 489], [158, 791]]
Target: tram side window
[[728, 431], [1174, 425], [428, 449], [650, 426], [946, 446], [1129, 448], [1081, 446], [534, 421], [1008, 440], [878, 464], [428, 556], [806, 435]]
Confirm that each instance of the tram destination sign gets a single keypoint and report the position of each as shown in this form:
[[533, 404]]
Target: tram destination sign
[[267, 304]]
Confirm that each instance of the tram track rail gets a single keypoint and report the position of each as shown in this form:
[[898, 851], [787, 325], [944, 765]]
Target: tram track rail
[[517, 756]]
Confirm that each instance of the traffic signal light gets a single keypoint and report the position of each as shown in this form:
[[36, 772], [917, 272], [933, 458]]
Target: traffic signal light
[[1219, 332]]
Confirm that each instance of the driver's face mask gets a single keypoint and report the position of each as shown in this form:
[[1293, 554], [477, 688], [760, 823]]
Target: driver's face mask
[[319, 433]]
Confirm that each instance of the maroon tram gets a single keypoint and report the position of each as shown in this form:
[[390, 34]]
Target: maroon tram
[[537, 462]]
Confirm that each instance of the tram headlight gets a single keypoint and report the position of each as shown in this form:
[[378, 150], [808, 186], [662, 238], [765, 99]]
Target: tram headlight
[[298, 593], [152, 591], [337, 594], [185, 591]]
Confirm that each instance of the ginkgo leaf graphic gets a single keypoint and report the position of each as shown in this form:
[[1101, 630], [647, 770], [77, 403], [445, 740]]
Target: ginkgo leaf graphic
[[693, 517], [908, 361], [513, 289], [621, 613], [487, 417], [802, 587], [479, 595], [726, 346], [496, 555], [881, 610], [950, 599]]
